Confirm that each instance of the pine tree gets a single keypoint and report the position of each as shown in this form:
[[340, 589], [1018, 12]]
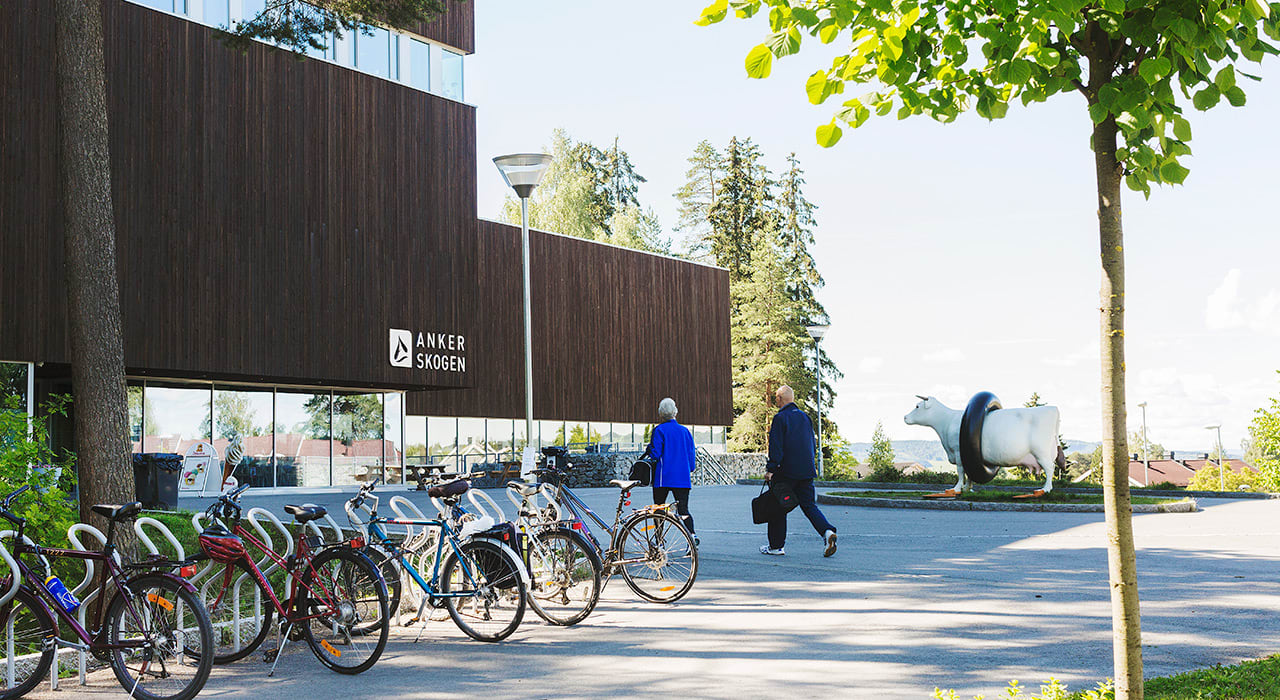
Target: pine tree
[[696, 197], [741, 209], [881, 455]]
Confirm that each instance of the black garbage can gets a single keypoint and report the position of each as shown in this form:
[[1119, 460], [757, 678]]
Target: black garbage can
[[156, 479]]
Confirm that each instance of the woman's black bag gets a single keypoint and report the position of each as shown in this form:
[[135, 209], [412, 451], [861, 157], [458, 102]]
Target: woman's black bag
[[642, 471]]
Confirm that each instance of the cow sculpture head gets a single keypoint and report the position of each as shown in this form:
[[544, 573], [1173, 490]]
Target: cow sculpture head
[[923, 412]]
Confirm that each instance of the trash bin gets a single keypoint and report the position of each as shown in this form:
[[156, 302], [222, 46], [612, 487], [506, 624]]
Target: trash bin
[[156, 479]]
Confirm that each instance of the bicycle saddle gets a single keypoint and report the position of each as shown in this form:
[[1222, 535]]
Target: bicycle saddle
[[306, 513], [453, 488], [522, 488], [625, 485], [118, 513]]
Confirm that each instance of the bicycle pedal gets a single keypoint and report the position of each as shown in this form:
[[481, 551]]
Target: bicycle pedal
[[270, 656], [295, 634]]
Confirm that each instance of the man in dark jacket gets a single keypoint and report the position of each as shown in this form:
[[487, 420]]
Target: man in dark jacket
[[791, 449]]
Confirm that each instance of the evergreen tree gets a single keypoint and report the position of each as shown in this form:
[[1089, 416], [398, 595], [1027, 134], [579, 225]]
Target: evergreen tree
[[742, 208], [696, 196], [881, 455], [564, 202]]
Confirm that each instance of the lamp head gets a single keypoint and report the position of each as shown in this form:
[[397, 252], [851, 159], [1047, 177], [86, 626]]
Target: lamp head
[[818, 330], [523, 171]]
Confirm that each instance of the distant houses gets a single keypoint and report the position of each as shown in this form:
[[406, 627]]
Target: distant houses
[[1175, 471]]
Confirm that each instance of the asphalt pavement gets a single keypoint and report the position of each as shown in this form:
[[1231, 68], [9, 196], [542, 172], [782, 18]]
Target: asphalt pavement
[[912, 600]]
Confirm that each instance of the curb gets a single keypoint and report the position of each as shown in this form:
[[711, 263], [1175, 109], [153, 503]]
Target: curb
[[1188, 506], [874, 485]]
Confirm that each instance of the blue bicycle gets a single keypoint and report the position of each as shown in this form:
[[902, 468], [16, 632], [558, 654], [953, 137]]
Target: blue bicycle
[[479, 580]]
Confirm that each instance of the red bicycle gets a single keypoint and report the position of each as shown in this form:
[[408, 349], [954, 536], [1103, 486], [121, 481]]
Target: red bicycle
[[149, 626], [337, 600]]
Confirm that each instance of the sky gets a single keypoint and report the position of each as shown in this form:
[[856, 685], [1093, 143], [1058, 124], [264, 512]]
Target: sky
[[958, 258]]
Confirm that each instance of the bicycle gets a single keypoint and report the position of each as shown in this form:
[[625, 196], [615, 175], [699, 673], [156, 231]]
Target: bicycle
[[337, 601], [480, 581], [149, 626], [564, 567], [650, 546]]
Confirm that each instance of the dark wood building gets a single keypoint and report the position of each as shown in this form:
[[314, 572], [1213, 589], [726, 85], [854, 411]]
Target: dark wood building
[[282, 224]]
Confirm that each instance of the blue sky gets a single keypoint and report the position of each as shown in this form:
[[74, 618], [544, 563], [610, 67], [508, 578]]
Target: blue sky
[[958, 257]]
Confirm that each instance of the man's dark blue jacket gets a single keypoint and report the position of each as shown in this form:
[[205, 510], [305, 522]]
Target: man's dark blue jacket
[[791, 444]]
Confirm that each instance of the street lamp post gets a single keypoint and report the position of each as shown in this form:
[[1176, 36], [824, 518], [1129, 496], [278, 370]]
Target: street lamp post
[[1222, 477], [1146, 458], [522, 172], [816, 332]]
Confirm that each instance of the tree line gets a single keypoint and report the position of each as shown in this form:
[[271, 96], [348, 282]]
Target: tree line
[[734, 212]]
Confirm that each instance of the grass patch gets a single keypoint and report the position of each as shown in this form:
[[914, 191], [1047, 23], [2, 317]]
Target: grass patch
[[1251, 679], [1005, 497]]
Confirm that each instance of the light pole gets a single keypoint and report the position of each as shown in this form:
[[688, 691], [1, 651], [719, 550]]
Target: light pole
[[816, 332], [522, 172], [1146, 459], [1222, 477]]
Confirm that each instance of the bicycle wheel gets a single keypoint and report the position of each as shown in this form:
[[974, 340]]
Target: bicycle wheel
[[239, 610], [390, 569], [657, 557], [166, 622], [347, 596], [493, 592], [27, 623], [564, 576]]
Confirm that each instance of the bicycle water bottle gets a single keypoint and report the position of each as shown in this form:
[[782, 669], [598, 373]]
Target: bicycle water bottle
[[60, 593]]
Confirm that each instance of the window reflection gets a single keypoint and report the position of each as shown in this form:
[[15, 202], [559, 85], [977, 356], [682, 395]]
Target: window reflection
[[701, 435], [419, 68], [518, 438], [450, 75], [393, 434], [302, 438], [552, 432], [245, 417], [499, 433], [357, 438], [252, 8], [217, 12], [415, 439], [442, 434], [373, 51], [181, 417]]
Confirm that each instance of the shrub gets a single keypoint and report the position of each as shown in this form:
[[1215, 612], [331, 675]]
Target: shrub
[[839, 472], [886, 473], [1164, 486], [930, 478], [46, 507], [1207, 479]]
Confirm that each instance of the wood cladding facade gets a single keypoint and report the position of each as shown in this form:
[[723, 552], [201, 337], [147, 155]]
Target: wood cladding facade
[[276, 217], [456, 27], [614, 332]]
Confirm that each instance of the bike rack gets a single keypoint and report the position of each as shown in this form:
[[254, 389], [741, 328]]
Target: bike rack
[[14, 581], [472, 495], [73, 536], [414, 513]]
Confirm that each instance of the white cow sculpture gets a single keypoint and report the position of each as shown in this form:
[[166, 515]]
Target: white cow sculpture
[[1011, 437]]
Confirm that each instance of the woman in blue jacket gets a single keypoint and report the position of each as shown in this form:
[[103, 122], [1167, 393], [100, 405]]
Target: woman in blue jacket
[[671, 447]]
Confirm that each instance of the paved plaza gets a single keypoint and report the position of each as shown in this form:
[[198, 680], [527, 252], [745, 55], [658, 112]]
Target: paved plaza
[[912, 600]]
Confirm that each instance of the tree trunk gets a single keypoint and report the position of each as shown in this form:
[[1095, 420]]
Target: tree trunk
[[1125, 619], [93, 294]]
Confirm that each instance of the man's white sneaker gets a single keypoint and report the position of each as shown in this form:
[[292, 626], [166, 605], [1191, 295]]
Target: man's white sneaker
[[764, 549], [830, 539]]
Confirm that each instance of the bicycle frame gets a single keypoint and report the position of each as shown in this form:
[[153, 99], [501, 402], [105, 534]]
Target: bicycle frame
[[304, 554], [397, 553]]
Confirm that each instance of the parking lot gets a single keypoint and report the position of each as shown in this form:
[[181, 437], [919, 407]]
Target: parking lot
[[912, 600]]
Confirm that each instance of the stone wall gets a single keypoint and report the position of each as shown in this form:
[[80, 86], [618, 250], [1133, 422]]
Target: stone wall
[[741, 465], [596, 470]]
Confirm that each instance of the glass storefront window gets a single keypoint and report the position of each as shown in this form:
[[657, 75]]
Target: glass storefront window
[[135, 417], [450, 75], [181, 417], [246, 417], [302, 438], [442, 436], [644, 431], [701, 435], [373, 51], [393, 434], [499, 433], [357, 438], [518, 439], [473, 452], [577, 433], [415, 439], [552, 432]]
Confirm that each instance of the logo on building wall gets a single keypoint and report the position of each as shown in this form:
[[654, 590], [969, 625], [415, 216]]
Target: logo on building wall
[[401, 342], [443, 352]]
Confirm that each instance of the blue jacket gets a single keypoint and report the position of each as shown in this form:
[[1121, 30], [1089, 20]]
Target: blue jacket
[[671, 446], [791, 444]]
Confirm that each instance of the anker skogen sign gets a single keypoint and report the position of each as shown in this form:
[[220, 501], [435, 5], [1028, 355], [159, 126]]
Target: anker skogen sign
[[444, 352]]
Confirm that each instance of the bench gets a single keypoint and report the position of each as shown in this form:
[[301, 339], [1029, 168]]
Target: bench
[[510, 470]]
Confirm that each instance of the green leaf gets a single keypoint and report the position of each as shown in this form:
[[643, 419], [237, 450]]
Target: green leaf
[[1235, 96], [829, 134], [784, 43], [1206, 98], [1116, 6], [892, 42], [1154, 69], [1225, 78], [713, 13], [760, 62], [1019, 72], [804, 16], [1257, 8], [828, 31], [1173, 173], [1097, 113], [816, 87], [1181, 128]]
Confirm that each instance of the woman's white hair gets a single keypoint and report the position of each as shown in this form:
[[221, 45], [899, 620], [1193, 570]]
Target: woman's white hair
[[667, 409]]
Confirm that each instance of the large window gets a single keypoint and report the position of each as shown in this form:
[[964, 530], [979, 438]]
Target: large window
[[357, 438], [177, 417], [519, 439], [302, 438], [500, 433], [450, 75], [374, 51], [472, 449], [415, 439], [393, 435], [245, 417], [552, 433], [442, 436], [419, 68]]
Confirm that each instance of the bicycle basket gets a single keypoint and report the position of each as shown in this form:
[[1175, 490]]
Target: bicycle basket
[[221, 544]]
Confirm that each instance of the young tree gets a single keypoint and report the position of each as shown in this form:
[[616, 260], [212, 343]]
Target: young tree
[[696, 197], [1136, 65], [881, 456], [1264, 443]]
